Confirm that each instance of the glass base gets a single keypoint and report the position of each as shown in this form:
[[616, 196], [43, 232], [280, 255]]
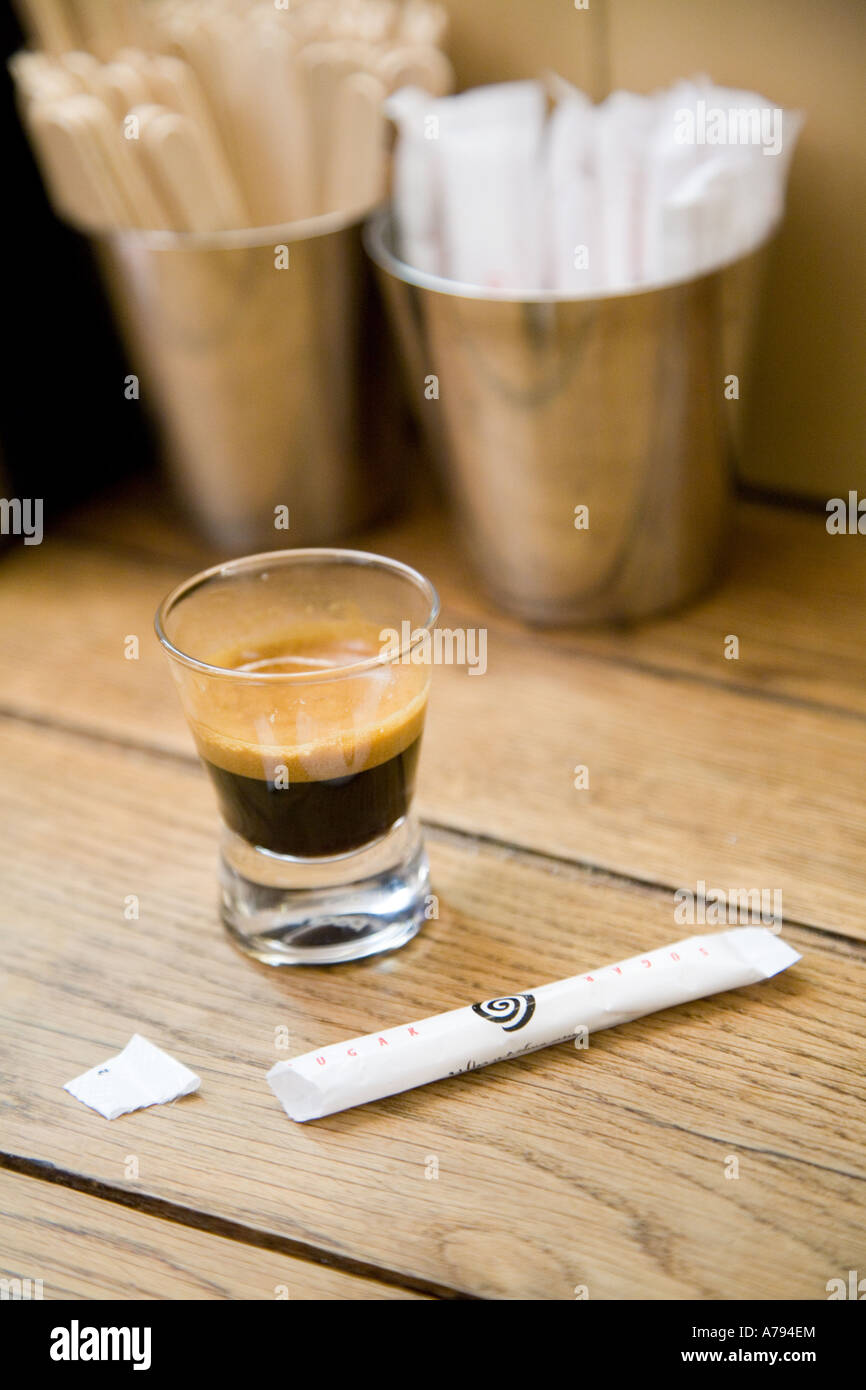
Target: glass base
[[285, 911]]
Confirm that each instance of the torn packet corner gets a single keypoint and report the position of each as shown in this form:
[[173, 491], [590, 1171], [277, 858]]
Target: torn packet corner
[[139, 1076]]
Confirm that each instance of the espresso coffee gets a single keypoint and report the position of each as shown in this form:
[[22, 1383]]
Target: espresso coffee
[[308, 819], [330, 766]]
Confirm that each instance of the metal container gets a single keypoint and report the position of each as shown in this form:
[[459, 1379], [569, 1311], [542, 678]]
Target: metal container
[[542, 407], [261, 355]]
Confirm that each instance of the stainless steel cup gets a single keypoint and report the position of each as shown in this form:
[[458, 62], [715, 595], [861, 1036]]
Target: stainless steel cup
[[260, 352], [543, 407]]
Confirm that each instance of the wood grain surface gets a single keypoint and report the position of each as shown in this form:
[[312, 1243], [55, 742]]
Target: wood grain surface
[[83, 1247], [689, 780], [611, 1168], [791, 592]]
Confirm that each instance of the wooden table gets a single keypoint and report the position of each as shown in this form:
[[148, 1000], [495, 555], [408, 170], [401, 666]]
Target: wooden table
[[609, 1169]]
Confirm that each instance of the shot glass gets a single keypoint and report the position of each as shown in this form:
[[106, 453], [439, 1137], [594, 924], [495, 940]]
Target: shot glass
[[304, 677]]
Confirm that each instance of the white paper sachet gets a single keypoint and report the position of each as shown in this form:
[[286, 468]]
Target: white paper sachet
[[634, 192], [415, 179], [468, 183], [622, 136], [575, 252], [667, 252], [364, 1069], [719, 167], [140, 1075], [491, 209]]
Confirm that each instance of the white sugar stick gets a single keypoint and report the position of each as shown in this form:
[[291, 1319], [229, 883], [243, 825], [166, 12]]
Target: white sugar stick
[[416, 186], [622, 129], [573, 241], [397, 1059], [492, 181]]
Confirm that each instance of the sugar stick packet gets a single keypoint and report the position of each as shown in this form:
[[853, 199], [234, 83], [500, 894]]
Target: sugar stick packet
[[468, 182], [381, 1064]]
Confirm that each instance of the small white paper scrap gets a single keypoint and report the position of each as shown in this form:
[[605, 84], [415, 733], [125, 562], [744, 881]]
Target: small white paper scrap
[[140, 1075]]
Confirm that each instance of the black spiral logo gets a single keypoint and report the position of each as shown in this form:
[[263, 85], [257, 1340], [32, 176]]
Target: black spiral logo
[[512, 1011]]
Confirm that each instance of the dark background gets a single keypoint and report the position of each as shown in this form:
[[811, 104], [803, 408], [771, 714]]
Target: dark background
[[66, 429]]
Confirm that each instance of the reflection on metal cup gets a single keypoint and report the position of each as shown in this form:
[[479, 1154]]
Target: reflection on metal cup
[[587, 442], [261, 353]]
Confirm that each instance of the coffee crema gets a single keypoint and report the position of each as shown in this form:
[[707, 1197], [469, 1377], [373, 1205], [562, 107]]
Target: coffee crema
[[312, 768]]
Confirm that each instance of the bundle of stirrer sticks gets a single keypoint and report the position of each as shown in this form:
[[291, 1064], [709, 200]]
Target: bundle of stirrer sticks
[[211, 115]]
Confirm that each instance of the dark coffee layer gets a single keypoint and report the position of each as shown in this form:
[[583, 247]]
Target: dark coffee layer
[[312, 819]]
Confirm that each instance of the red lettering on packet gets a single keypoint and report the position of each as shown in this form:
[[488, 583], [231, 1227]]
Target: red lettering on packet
[[674, 955], [413, 1032], [590, 978], [703, 951], [646, 962], [383, 1042], [321, 1061], [616, 970], [350, 1052]]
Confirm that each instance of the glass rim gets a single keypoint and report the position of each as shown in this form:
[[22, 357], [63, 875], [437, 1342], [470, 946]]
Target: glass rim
[[318, 555]]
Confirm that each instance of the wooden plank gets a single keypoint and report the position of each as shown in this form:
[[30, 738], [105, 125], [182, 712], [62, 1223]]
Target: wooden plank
[[82, 1247], [563, 1168], [688, 782], [791, 593]]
